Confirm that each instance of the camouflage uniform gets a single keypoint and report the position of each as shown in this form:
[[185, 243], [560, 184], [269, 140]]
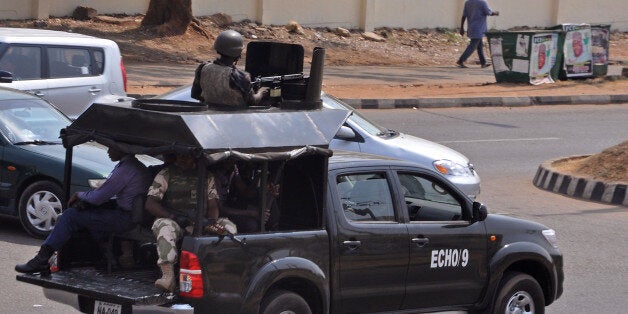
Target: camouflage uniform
[[176, 189]]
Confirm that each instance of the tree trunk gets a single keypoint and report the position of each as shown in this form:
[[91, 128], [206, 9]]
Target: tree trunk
[[169, 16]]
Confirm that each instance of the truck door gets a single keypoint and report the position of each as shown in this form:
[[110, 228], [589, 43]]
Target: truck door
[[447, 252], [371, 244]]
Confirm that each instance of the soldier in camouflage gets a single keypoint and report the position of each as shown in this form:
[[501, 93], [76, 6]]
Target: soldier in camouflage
[[220, 82], [172, 200]]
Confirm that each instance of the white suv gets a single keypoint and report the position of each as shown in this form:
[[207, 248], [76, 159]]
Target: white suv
[[70, 70]]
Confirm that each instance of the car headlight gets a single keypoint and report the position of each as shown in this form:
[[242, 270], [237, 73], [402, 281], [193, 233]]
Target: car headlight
[[550, 236], [448, 167], [95, 183]]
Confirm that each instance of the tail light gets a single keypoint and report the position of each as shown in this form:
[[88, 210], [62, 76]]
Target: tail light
[[123, 73], [190, 276]]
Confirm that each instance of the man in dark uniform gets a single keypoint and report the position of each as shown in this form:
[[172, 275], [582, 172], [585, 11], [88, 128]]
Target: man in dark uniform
[[91, 210], [220, 82]]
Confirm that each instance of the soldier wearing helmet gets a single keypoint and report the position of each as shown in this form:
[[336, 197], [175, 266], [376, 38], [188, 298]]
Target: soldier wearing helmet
[[220, 82]]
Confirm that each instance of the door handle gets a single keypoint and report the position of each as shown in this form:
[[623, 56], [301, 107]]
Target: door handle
[[421, 241], [352, 245], [38, 93], [95, 90]]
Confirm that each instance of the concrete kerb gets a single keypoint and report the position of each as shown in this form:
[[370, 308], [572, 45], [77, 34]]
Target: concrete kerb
[[473, 101], [548, 178], [484, 101]]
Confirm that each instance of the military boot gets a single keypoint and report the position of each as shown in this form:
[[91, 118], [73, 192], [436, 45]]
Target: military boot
[[166, 282], [39, 263]]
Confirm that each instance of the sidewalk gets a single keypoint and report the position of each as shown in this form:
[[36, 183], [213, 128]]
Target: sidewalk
[[378, 87]]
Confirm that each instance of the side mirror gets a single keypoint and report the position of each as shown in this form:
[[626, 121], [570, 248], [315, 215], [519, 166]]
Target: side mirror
[[479, 211], [6, 77], [345, 133]]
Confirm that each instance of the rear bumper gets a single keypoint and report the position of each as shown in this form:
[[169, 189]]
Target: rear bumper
[[86, 305]]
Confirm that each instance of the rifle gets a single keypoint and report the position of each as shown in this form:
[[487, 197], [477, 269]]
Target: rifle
[[268, 199], [275, 84]]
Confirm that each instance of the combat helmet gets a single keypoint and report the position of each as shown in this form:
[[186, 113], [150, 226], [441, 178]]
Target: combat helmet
[[229, 43]]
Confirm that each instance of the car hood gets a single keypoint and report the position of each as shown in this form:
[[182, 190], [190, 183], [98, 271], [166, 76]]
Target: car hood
[[87, 156], [407, 144]]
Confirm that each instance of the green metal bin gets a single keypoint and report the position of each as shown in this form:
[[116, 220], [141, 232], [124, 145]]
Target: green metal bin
[[531, 56], [585, 49]]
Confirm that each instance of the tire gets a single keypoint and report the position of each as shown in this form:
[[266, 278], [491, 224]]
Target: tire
[[519, 293], [284, 302], [39, 207]]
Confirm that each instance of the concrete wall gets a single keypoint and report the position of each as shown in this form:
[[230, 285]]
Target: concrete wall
[[66, 7], [320, 13], [238, 9], [355, 14]]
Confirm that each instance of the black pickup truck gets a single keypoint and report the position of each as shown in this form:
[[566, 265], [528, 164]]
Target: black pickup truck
[[354, 233]]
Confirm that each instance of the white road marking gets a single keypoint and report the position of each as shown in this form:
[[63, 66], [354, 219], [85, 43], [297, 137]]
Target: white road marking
[[504, 140]]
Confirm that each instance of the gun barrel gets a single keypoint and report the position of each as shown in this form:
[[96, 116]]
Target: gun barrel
[[313, 93]]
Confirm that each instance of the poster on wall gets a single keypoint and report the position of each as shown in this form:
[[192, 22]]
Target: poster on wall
[[542, 58], [599, 44], [577, 50]]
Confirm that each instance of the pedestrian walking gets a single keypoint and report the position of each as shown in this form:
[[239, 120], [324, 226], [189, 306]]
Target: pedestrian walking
[[475, 13]]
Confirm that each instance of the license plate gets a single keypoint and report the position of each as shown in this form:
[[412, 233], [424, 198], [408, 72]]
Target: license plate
[[101, 307]]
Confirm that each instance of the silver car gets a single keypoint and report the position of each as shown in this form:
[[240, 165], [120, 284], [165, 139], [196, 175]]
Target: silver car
[[362, 135], [68, 69]]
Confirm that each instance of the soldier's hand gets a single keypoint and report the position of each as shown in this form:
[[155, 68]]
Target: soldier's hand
[[266, 215], [461, 32], [216, 228], [73, 199]]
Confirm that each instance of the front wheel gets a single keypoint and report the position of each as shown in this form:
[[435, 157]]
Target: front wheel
[[519, 293], [39, 207], [284, 302]]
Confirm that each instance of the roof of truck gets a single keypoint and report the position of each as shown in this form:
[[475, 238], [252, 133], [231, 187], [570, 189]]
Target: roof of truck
[[209, 130]]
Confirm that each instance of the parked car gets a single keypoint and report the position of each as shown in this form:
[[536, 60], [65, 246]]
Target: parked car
[[362, 135], [33, 158], [70, 70]]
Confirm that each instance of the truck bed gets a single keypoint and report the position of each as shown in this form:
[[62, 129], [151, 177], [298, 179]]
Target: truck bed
[[133, 287]]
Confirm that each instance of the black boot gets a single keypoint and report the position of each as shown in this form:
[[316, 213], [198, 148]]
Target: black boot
[[39, 263]]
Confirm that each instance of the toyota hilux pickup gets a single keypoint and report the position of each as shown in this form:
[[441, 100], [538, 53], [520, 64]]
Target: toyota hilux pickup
[[351, 232]]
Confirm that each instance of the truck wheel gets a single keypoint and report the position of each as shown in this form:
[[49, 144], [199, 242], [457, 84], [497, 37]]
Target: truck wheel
[[39, 207], [519, 293], [284, 302]]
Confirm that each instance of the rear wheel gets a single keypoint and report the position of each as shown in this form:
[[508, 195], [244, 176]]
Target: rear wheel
[[39, 207], [519, 293], [284, 302]]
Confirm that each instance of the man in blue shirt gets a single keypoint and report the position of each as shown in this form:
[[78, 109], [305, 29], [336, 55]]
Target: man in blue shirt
[[89, 210], [475, 12]]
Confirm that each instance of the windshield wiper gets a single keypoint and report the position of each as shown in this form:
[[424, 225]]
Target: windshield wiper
[[36, 142]]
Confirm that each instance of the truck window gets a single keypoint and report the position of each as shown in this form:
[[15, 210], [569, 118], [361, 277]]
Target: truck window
[[366, 197], [427, 200]]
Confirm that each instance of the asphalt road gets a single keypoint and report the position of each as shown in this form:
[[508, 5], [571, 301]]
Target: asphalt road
[[506, 145]]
